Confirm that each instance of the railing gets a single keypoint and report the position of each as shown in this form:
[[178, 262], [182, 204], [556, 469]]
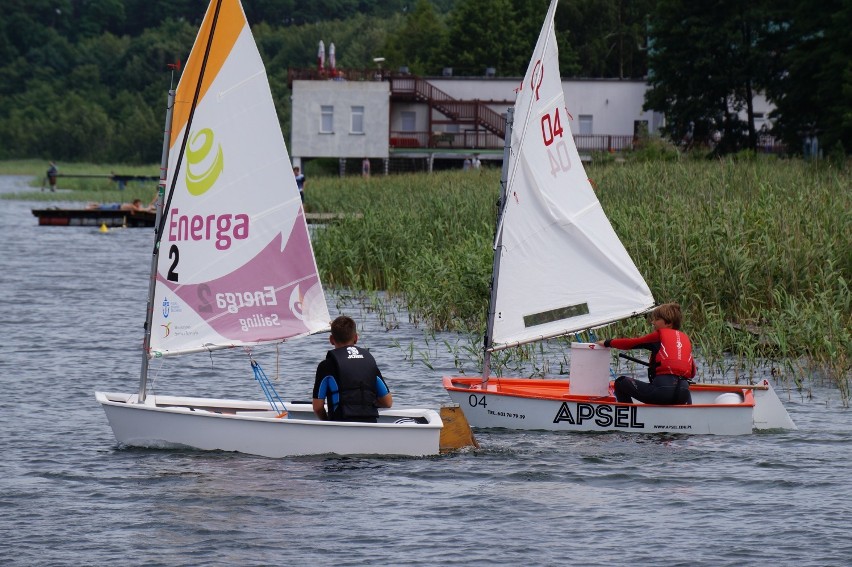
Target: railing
[[314, 74], [472, 140], [408, 140], [768, 144], [469, 140], [603, 143]]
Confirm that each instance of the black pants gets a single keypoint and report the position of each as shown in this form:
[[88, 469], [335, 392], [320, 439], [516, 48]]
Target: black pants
[[665, 390]]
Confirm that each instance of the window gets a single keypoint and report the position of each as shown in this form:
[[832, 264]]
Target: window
[[409, 121], [357, 125], [585, 121], [326, 119]]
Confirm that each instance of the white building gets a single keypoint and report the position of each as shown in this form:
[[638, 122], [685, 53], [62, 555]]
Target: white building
[[343, 119], [386, 116]]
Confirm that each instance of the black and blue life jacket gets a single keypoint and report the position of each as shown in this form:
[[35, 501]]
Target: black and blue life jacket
[[356, 372]]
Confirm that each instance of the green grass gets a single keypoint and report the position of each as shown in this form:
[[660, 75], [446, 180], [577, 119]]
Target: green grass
[[758, 244]]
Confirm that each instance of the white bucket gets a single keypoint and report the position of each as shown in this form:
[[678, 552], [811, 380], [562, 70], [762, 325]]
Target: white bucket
[[728, 398], [589, 370]]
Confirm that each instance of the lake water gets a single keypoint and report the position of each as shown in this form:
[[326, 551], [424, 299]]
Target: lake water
[[72, 303]]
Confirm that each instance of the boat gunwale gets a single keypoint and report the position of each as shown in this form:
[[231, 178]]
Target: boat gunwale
[[494, 387], [202, 410]]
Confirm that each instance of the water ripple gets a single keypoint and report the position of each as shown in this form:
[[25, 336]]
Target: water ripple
[[73, 304]]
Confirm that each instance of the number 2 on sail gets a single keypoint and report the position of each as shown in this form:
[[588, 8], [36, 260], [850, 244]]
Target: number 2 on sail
[[551, 128], [174, 254]]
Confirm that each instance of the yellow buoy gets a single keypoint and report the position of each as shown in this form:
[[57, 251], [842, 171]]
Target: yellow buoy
[[104, 227]]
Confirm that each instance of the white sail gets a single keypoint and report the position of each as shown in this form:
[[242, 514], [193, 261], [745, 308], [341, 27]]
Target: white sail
[[236, 265], [562, 267]]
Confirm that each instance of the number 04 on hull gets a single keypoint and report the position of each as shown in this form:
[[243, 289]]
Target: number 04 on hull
[[543, 404]]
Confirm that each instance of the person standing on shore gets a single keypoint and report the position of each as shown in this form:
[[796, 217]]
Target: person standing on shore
[[300, 181], [52, 172]]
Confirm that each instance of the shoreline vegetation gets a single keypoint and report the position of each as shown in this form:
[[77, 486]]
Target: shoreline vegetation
[[86, 189], [757, 250]]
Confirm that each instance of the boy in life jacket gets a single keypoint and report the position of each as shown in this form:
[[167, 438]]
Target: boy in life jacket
[[671, 365], [348, 381]]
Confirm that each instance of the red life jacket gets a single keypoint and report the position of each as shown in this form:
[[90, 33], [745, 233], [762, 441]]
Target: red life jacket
[[675, 354]]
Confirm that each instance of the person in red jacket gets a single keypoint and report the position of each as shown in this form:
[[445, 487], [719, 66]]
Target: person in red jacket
[[671, 365]]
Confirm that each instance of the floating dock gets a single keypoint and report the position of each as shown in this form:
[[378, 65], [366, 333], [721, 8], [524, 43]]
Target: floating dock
[[94, 217], [136, 219]]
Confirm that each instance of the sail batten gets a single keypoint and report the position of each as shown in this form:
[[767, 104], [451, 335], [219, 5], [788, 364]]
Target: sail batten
[[236, 266], [587, 326], [560, 259]]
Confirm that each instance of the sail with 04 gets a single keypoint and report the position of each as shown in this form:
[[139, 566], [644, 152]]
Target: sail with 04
[[559, 268]]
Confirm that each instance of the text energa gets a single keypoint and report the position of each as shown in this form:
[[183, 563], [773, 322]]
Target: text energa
[[220, 227], [234, 301]]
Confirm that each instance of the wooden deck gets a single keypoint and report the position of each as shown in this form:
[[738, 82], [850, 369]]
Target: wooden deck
[[94, 217]]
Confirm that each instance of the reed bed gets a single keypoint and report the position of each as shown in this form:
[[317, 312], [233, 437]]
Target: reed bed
[[758, 252], [424, 238]]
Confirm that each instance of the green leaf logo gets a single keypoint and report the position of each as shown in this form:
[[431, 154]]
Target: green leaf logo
[[200, 145]]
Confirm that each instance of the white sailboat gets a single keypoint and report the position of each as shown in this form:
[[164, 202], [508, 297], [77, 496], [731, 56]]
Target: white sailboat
[[559, 268], [233, 267]]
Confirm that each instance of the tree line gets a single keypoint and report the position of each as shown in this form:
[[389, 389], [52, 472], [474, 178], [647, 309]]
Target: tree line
[[86, 80]]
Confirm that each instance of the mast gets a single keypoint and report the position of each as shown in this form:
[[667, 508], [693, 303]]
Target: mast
[[161, 193], [498, 243], [163, 204]]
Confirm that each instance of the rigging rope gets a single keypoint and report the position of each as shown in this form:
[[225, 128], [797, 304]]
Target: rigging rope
[[268, 389]]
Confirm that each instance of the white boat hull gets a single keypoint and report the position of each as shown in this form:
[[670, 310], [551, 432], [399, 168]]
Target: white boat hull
[[516, 403], [251, 427]]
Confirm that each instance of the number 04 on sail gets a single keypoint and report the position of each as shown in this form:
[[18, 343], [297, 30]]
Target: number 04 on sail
[[560, 268], [233, 266]]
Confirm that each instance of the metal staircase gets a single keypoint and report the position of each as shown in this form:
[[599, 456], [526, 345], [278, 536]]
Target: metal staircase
[[471, 112]]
